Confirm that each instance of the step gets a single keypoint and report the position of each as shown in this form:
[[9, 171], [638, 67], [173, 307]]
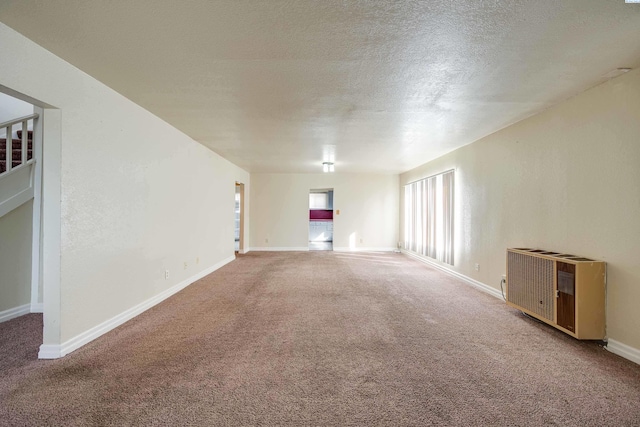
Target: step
[[29, 135], [17, 143], [17, 154]]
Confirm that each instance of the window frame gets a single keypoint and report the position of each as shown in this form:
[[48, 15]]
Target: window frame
[[428, 216]]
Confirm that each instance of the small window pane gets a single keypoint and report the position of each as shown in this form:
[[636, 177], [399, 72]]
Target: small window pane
[[318, 201]]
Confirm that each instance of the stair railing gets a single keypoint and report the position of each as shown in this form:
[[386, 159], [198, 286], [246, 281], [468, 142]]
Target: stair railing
[[9, 127]]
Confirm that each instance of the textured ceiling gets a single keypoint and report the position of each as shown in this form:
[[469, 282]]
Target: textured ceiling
[[383, 86]]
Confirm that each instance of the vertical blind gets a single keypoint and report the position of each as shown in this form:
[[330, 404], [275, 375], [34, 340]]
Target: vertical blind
[[428, 217]]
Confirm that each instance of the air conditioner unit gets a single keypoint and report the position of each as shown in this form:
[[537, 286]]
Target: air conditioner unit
[[563, 290]]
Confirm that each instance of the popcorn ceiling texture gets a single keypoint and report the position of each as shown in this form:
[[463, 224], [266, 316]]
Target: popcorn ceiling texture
[[320, 339], [391, 84]]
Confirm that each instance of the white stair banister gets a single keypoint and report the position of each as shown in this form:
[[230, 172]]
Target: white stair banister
[[9, 149], [25, 136], [8, 126]]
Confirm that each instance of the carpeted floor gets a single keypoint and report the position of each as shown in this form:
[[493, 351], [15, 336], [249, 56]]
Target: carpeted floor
[[315, 339]]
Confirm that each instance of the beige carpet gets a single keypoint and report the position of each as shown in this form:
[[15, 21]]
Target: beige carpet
[[315, 339]]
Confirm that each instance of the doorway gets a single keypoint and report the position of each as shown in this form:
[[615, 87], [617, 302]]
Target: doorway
[[239, 219], [321, 220], [20, 179], [31, 285]]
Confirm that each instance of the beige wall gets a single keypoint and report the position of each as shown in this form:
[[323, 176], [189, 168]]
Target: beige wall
[[15, 257], [566, 180], [368, 207], [136, 196]]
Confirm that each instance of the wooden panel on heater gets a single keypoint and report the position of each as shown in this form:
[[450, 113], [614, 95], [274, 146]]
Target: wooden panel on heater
[[590, 300], [566, 296]]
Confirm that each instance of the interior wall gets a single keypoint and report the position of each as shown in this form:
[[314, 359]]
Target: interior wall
[[15, 257], [565, 180], [137, 196], [368, 205]]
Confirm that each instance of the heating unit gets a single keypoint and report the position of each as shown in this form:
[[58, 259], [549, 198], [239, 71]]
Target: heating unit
[[563, 290]]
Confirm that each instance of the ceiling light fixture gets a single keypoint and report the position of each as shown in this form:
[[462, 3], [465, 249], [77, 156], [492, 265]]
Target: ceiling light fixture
[[328, 167]]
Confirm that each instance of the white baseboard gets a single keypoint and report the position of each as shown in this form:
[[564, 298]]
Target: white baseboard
[[305, 249], [362, 249], [280, 249], [623, 350], [244, 251], [51, 351], [12, 313], [37, 308], [483, 287], [616, 347]]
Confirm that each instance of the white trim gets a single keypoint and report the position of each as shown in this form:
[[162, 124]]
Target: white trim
[[17, 169], [623, 350], [481, 286], [36, 297], [37, 307], [306, 249], [51, 216], [16, 201], [243, 251], [280, 249], [12, 313], [361, 249], [49, 351], [18, 120]]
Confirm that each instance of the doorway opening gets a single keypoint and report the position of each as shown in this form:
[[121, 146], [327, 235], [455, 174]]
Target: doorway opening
[[21, 211], [321, 219], [239, 219], [20, 179]]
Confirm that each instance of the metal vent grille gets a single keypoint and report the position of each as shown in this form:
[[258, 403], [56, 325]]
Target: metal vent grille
[[530, 283]]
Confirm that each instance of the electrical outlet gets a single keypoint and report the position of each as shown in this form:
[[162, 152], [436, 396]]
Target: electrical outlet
[[504, 277], [166, 274], [197, 260], [477, 267], [185, 265], [360, 240], [266, 240]]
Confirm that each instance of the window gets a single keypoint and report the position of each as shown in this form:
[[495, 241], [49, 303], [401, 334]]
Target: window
[[428, 217], [319, 200]]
